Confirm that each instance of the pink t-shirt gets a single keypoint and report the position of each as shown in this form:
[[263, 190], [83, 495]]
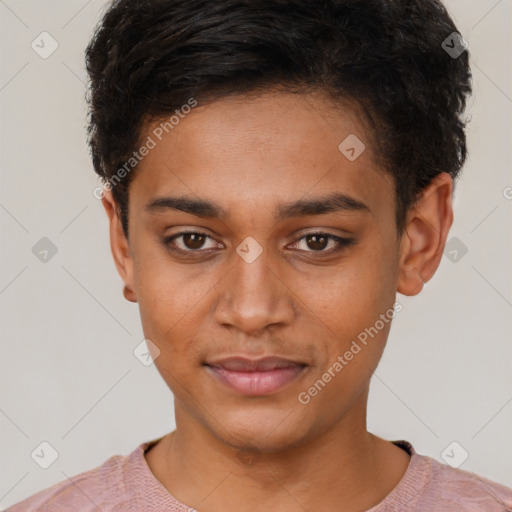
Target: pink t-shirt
[[125, 483]]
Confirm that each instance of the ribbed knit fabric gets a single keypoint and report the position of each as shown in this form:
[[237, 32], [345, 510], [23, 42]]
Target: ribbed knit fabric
[[126, 484]]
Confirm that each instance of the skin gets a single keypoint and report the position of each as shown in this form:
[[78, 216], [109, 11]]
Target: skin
[[249, 154]]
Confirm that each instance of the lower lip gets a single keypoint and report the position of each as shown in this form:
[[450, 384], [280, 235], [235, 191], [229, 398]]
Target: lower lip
[[257, 383]]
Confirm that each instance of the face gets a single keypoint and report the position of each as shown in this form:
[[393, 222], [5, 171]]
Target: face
[[269, 267]]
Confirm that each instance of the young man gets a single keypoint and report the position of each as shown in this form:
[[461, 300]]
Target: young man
[[271, 185]]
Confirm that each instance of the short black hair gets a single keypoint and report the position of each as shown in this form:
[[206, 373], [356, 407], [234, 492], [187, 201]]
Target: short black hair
[[148, 58]]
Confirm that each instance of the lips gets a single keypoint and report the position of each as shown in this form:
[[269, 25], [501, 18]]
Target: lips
[[255, 377], [242, 364]]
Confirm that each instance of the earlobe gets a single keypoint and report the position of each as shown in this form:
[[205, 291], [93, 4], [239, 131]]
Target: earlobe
[[119, 246], [427, 227], [129, 294], [410, 282]]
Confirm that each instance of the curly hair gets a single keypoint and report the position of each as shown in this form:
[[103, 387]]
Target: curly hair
[[147, 58]]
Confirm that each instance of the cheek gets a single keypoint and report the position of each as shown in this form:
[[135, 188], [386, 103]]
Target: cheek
[[351, 297], [167, 292], [174, 302], [354, 309], [168, 303]]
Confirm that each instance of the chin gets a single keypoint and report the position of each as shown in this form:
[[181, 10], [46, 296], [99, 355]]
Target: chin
[[271, 431]]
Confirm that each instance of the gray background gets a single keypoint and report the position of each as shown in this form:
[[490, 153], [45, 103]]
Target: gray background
[[68, 373]]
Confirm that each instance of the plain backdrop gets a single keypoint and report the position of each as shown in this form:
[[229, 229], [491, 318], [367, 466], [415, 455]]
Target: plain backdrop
[[68, 373]]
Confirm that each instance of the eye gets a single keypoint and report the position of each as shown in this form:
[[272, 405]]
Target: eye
[[191, 241], [319, 241], [194, 241]]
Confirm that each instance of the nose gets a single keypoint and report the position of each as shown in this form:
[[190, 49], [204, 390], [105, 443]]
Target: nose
[[254, 296]]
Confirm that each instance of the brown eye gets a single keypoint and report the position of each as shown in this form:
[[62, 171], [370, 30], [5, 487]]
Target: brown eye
[[318, 242], [191, 241]]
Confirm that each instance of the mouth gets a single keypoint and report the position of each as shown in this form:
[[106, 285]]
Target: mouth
[[256, 377]]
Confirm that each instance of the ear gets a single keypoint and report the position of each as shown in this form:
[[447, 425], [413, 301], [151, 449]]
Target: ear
[[119, 246], [427, 227]]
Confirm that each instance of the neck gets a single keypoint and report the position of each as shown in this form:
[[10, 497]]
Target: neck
[[345, 465]]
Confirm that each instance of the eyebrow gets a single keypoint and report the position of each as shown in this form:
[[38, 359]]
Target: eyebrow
[[205, 208]]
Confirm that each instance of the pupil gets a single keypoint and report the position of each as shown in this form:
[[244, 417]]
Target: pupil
[[197, 239], [315, 239]]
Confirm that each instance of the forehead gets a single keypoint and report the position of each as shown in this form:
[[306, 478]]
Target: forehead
[[263, 151]]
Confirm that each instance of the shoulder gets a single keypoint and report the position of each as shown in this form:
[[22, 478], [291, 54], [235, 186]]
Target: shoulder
[[102, 488], [469, 491], [431, 486], [455, 489]]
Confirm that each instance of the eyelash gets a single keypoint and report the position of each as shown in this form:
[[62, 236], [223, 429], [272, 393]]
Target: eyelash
[[343, 242]]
